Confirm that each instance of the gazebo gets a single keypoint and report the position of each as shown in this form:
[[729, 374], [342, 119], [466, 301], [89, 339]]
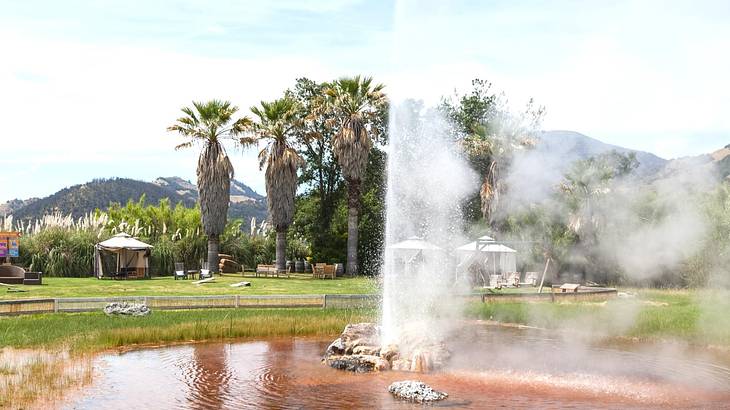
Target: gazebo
[[414, 251], [132, 257], [495, 257]]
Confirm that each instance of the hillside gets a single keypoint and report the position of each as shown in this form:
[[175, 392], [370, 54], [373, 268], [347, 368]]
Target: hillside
[[570, 146], [80, 199]]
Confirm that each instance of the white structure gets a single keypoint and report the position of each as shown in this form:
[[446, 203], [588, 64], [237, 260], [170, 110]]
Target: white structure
[[414, 251], [132, 256], [494, 257]]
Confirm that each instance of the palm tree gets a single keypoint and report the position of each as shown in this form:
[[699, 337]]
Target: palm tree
[[356, 104], [276, 123], [210, 123]]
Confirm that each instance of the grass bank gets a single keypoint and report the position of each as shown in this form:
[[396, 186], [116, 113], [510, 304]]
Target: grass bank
[[91, 332], [694, 316], [167, 286]]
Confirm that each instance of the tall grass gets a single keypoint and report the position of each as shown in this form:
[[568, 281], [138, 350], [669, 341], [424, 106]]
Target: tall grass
[[40, 378], [59, 245], [96, 331]]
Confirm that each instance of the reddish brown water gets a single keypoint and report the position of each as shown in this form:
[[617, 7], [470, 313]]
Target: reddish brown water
[[507, 368]]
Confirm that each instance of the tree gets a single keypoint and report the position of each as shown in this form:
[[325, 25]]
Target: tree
[[490, 133], [356, 105], [321, 178], [275, 126], [211, 123], [585, 190]]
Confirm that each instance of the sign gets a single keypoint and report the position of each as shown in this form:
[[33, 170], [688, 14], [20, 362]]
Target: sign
[[9, 244], [13, 248]]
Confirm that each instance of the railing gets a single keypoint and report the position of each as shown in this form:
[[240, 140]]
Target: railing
[[30, 306]]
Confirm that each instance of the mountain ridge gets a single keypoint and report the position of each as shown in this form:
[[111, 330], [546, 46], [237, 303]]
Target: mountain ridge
[[80, 199]]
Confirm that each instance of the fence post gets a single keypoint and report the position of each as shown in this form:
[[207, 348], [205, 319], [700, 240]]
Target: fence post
[[324, 301], [55, 305], [238, 298]]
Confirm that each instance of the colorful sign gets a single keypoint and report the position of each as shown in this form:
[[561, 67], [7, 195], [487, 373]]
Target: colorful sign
[[13, 248], [9, 244]]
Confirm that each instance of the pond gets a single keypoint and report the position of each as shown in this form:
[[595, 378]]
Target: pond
[[492, 367]]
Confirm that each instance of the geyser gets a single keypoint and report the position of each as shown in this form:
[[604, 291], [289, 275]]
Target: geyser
[[428, 179]]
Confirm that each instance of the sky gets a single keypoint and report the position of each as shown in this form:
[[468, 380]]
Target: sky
[[87, 88]]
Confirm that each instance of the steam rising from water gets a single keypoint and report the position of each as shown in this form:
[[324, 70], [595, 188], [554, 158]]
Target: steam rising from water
[[427, 181]]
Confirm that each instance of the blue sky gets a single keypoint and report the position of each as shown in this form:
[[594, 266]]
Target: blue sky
[[88, 87]]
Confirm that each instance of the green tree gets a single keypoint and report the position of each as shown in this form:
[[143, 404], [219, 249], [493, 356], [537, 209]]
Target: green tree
[[275, 126], [586, 190], [211, 123], [356, 105], [490, 133], [321, 177]]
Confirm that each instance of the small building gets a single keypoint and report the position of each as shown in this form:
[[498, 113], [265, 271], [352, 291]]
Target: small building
[[132, 257]]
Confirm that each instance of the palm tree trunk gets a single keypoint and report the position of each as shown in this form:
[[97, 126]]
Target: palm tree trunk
[[281, 248], [353, 203], [213, 253]]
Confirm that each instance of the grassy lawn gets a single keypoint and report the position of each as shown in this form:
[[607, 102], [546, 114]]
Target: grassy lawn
[[696, 316], [167, 286]]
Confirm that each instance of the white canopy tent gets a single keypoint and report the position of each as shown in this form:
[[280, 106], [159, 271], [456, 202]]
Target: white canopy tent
[[132, 256], [413, 251], [498, 258]]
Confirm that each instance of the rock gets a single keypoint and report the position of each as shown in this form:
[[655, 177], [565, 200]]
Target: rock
[[415, 391], [358, 363], [358, 349], [336, 348], [366, 350], [389, 353], [403, 365], [124, 308], [363, 337]]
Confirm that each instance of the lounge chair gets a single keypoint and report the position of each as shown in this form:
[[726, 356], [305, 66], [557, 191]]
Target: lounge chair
[[531, 278], [513, 279], [205, 272], [180, 272], [495, 281]]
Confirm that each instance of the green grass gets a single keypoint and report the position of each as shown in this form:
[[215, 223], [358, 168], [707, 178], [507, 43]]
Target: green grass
[[695, 316], [95, 331], [167, 286]]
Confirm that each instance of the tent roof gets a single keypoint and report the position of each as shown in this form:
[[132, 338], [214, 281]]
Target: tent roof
[[415, 243], [486, 247], [122, 241]]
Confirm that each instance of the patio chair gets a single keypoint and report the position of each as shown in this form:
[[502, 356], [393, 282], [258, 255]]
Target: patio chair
[[318, 270], [205, 272], [329, 271], [180, 272]]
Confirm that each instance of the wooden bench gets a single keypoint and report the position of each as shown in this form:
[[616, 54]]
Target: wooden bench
[[267, 270]]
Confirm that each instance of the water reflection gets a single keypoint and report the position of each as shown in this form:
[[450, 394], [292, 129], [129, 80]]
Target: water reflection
[[495, 368], [207, 376]]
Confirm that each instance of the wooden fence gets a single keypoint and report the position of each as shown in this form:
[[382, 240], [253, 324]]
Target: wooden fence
[[31, 306]]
